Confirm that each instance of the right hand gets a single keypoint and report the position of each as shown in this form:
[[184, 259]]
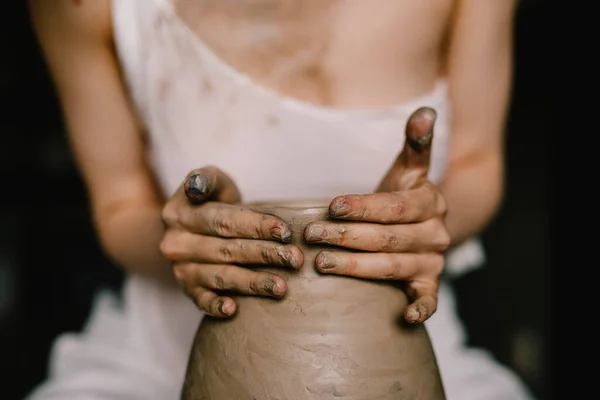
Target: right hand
[[208, 237]]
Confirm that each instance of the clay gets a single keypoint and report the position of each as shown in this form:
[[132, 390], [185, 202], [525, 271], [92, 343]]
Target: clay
[[331, 337]]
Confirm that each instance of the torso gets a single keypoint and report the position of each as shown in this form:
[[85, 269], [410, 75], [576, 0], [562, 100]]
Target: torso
[[266, 89], [330, 123]]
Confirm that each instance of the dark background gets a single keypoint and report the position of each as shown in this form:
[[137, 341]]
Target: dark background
[[50, 263]]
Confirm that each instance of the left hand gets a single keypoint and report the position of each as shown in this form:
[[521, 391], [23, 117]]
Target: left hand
[[400, 228]]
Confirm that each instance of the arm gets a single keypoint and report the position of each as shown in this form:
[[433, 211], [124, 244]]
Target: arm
[[407, 228], [103, 134], [480, 70]]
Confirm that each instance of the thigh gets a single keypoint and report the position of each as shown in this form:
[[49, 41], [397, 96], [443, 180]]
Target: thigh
[[94, 374], [134, 349], [468, 373]]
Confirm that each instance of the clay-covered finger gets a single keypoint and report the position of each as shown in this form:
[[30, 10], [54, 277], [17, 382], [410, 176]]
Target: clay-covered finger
[[232, 221], [405, 206], [426, 236], [213, 250], [411, 168], [385, 266], [419, 137], [213, 304], [424, 293], [210, 183], [218, 277], [422, 271]]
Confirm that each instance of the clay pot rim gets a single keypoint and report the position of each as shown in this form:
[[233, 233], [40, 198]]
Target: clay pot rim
[[298, 205]]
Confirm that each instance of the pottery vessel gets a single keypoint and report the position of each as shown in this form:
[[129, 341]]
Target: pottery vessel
[[330, 337]]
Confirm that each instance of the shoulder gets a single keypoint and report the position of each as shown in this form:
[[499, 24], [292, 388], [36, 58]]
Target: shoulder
[[75, 21]]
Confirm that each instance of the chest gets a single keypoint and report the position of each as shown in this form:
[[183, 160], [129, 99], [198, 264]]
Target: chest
[[313, 49], [197, 111]]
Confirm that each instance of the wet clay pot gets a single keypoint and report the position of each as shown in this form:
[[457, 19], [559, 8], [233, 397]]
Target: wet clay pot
[[331, 337]]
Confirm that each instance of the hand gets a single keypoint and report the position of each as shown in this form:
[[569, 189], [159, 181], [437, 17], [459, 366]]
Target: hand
[[401, 227], [207, 236]]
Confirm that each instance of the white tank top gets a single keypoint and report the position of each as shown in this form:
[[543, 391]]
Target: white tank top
[[197, 111]]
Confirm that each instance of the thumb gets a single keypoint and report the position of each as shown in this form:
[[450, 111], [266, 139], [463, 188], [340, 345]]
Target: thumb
[[412, 165], [424, 296], [210, 183]]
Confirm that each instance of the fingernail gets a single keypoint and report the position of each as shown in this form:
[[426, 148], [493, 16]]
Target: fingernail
[[286, 236], [225, 307], [430, 113], [419, 139], [339, 209], [283, 234], [326, 262], [273, 288], [286, 256], [316, 233], [279, 289], [413, 315], [421, 142], [197, 187]]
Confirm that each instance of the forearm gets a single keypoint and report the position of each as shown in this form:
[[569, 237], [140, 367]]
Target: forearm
[[480, 76], [131, 234], [473, 190]]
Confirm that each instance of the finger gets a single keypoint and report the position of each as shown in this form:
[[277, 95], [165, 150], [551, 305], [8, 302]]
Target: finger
[[423, 270], [405, 206], [213, 304], [403, 266], [412, 165], [226, 220], [210, 183], [213, 250], [419, 136], [218, 277], [424, 292], [427, 236]]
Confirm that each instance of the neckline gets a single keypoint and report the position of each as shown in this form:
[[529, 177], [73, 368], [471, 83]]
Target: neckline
[[404, 109]]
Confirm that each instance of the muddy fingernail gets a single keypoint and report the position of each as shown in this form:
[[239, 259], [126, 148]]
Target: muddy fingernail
[[197, 187], [316, 233], [286, 236], [421, 142], [421, 127], [274, 288], [339, 209], [326, 262], [282, 233], [287, 256], [428, 113], [413, 315], [279, 289], [225, 307]]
